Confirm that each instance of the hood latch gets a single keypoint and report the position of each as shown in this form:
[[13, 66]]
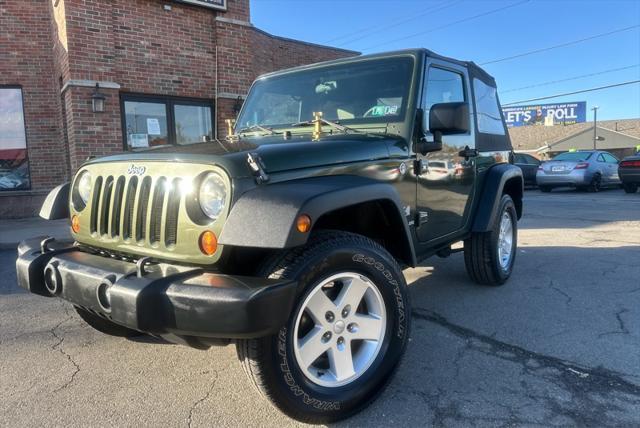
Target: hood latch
[[257, 168]]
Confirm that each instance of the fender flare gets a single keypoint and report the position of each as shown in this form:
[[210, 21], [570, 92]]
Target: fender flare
[[265, 217], [56, 204], [496, 179]]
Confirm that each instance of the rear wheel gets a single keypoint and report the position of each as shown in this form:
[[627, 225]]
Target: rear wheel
[[630, 187], [489, 256], [596, 183], [105, 326], [346, 334]]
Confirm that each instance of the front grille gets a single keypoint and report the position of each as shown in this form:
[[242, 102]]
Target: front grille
[[136, 208]]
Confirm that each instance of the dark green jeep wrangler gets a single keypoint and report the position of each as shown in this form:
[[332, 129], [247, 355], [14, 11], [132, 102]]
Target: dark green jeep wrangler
[[289, 238]]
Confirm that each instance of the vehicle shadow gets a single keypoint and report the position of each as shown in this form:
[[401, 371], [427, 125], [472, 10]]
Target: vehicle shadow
[[503, 351]]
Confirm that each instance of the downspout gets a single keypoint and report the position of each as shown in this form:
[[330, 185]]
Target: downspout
[[215, 100]]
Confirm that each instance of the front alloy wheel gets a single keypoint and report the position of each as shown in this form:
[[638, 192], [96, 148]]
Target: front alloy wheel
[[346, 334], [337, 338]]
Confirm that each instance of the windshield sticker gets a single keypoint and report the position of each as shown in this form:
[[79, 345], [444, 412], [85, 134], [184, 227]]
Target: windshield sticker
[[385, 110]]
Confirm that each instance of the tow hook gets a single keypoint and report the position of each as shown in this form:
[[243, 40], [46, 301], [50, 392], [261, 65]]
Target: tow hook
[[44, 245]]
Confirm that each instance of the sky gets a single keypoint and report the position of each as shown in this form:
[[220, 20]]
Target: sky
[[484, 30]]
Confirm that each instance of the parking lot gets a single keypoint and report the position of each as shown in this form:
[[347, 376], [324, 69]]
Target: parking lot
[[559, 344]]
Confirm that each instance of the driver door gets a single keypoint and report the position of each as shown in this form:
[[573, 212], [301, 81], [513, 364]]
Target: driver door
[[447, 179]]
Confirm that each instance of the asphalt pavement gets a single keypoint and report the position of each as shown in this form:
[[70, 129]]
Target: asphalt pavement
[[558, 345]]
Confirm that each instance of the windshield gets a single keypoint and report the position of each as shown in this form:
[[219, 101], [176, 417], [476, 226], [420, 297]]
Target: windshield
[[374, 91], [573, 156]]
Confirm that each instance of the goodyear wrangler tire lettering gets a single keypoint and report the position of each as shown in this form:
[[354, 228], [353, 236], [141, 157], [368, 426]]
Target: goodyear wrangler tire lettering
[[401, 316], [332, 265]]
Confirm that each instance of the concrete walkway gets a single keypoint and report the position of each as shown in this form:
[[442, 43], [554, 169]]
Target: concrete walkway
[[14, 231]]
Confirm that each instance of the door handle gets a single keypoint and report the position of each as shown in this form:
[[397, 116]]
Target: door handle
[[468, 153]]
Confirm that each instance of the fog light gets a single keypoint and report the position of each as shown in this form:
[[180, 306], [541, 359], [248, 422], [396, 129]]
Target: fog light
[[208, 242], [75, 224], [303, 224]]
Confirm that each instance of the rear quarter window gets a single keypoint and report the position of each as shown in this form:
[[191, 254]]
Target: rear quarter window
[[487, 109]]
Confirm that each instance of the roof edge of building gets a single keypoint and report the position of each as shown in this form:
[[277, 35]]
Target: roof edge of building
[[317, 45]]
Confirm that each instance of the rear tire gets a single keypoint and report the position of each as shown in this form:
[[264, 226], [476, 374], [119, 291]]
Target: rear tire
[[312, 388], [545, 189], [596, 184], [630, 187], [489, 256], [106, 326]]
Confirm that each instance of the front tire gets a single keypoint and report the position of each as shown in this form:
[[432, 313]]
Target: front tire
[[489, 256], [545, 189], [105, 326], [630, 187], [346, 334]]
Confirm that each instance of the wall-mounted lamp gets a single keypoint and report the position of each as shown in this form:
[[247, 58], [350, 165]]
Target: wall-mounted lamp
[[237, 106], [97, 100]]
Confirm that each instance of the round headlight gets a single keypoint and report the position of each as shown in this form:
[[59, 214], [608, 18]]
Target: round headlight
[[213, 195], [84, 186]]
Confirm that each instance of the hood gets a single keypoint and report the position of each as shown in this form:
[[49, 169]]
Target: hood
[[278, 154]]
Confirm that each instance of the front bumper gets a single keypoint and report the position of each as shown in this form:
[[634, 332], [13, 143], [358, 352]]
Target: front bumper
[[163, 300]]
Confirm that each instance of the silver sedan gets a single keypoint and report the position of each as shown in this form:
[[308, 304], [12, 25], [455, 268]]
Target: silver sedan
[[590, 170]]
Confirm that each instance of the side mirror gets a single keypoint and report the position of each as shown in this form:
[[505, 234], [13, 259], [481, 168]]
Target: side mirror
[[421, 145], [448, 119], [444, 119]]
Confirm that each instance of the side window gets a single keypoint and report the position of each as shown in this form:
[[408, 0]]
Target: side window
[[517, 158], [487, 109], [610, 158], [601, 158], [531, 160], [443, 86]]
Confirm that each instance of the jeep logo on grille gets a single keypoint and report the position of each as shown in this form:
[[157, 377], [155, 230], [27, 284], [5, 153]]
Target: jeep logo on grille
[[136, 170]]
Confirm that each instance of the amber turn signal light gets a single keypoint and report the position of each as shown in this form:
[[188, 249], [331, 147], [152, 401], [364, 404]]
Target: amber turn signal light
[[208, 242], [75, 224], [303, 224]]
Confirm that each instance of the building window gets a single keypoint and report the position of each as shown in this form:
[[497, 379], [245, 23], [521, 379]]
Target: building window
[[14, 165], [150, 121]]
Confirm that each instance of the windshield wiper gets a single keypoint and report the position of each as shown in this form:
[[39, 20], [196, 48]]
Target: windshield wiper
[[341, 128], [259, 128]]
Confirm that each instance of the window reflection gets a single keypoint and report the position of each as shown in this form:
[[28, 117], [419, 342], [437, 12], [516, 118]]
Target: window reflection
[[146, 124], [193, 124], [14, 166]]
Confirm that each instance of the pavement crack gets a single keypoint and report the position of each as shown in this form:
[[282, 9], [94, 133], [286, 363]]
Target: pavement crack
[[566, 295], [574, 377], [58, 347], [202, 399], [621, 324], [622, 327]]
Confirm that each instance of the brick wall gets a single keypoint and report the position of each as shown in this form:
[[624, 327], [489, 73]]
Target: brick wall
[[55, 49], [26, 60], [275, 53]]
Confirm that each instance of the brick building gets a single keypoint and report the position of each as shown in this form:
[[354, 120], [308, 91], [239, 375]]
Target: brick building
[[169, 72]]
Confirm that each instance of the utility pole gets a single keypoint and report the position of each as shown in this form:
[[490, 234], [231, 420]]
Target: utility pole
[[595, 125]]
